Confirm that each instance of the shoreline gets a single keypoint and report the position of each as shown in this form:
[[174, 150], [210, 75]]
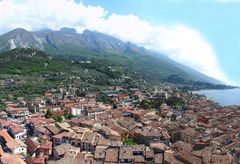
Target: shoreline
[[223, 97]]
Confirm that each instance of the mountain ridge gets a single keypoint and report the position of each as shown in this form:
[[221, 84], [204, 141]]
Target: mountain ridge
[[95, 45]]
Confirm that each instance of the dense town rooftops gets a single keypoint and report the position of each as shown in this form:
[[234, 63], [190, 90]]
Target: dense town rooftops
[[197, 131]]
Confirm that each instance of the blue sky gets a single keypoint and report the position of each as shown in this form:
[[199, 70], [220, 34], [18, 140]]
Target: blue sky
[[202, 34], [217, 20]]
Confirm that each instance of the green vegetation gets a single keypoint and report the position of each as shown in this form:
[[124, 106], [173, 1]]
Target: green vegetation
[[102, 97], [68, 115], [22, 154], [28, 73], [48, 114], [151, 103], [175, 101], [129, 141], [58, 118], [146, 104]]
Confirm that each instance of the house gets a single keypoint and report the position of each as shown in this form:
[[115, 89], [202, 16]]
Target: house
[[149, 155], [38, 115], [138, 150], [61, 150], [164, 109], [108, 133], [116, 114], [67, 138], [7, 158], [74, 139], [117, 128], [58, 139], [137, 114], [89, 140], [35, 122], [53, 129], [103, 117], [18, 112], [111, 155], [126, 154], [100, 154], [189, 135], [76, 110], [3, 115], [32, 146], [86, 123], [17, 147], [45, 148], [4, 123], [159, 151], [42, 131], [13, 146], [17, 131], [94, 111], [37, 160], [147, 135], [185, 157], [43, 109]]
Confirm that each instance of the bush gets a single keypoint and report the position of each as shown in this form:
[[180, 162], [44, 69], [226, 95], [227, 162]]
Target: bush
[[48, 114], [58, 118], [129, 141]]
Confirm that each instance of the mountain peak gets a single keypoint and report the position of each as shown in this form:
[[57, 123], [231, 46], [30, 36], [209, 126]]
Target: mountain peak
[[19, 30], [88, 32], [46, 29], [68, 30]]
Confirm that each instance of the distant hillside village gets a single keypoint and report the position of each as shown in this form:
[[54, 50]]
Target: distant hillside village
[[163, 126]]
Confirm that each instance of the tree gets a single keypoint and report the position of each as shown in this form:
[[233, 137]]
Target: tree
[[65, 112], [68, 115], [32, 110], [146, 104], [129, 141], [115, 106], [175, 101], [174, 117], [48, 114], [58, 118], [158, 102]]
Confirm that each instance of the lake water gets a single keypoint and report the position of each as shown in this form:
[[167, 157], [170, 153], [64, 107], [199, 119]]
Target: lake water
[[223, 97]]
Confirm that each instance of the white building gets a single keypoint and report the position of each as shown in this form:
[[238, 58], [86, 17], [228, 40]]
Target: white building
[[76, 111], [15, 146], [17, 131]]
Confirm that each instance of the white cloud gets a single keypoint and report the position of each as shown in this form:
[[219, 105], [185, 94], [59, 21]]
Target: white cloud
[[180, 42], [189, 47], [32, 14]]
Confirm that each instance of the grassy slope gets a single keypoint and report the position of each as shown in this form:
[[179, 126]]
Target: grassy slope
[[28, 65]]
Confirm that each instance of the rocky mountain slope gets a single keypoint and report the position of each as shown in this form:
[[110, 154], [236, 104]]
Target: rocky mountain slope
[[95, 46]]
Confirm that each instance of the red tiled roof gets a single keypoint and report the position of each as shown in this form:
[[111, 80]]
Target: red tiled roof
[[3, 113], [18, 109], [5, 122], [31, 145], [111, 155], [6, 136], [46, 145], [58, 113], [60, 135], [16, 128], [39, 160]]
